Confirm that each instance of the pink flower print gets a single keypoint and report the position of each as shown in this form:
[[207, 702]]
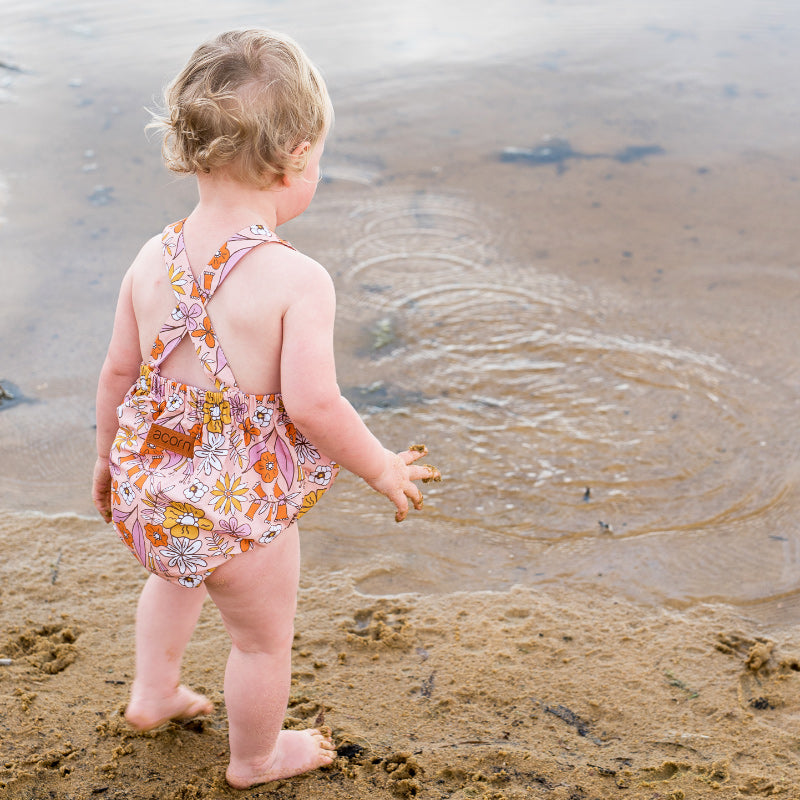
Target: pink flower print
[[238, 408], [190, 314], [234, 528]]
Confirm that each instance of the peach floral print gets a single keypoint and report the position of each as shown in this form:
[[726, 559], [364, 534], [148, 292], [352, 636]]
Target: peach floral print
[[220, 472]]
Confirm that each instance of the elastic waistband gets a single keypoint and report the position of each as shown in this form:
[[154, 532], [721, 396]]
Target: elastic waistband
[[159, 387]]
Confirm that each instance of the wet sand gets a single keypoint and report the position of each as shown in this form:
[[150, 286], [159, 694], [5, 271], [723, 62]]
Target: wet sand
[[528, 693]]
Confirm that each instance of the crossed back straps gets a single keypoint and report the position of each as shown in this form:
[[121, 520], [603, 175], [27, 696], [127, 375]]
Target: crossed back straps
[[190, 315]]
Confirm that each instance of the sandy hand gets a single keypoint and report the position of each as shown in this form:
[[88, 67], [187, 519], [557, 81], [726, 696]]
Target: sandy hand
[[398, 476]]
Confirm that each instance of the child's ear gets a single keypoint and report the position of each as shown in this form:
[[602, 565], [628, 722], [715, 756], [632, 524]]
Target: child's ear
[[298, 155], [301, 149]]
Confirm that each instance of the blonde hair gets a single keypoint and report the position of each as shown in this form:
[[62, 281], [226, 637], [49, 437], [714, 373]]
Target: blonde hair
[[246, 99]]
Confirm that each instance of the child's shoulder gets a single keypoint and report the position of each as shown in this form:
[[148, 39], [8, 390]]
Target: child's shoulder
[[294, 267], [150, 254]]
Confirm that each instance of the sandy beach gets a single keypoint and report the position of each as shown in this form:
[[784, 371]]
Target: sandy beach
[[528, 693]]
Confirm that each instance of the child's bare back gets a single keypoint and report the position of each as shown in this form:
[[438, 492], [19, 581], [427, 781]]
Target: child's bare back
[[271, 287]]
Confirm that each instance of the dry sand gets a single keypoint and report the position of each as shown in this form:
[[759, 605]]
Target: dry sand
[[530, 693]]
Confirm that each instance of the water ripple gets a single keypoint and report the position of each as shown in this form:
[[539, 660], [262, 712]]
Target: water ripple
[[564, 419]]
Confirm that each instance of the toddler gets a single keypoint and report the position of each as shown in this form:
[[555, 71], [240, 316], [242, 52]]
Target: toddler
[[215, 454]]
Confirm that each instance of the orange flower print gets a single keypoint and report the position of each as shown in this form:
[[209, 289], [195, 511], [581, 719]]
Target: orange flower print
[[216, 414], [186, 520], [249, 430], [267, 467], [125, 534], [156, 535], [205, 332], [220, 257], [158, 348]]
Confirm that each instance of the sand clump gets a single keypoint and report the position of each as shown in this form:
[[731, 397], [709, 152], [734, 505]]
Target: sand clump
[[530, 693]]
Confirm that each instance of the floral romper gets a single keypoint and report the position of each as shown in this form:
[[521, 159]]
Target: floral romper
[[199, 476]]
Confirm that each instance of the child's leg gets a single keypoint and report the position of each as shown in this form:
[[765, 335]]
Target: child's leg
[[165, 619], [256, 594]]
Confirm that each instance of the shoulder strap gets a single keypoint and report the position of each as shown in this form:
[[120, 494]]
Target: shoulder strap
[[190, 315]]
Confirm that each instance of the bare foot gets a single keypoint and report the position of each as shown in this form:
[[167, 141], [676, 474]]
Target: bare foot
[[295, 752], [144, 714]]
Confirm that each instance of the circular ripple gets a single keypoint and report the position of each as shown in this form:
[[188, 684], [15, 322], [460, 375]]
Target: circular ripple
[[555, 419]]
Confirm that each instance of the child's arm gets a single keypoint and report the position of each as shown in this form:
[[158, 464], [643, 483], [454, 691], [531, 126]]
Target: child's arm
[[315, 404], [119, 371]]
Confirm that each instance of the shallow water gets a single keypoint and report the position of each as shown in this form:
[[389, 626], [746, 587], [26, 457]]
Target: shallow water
[[599, 351]]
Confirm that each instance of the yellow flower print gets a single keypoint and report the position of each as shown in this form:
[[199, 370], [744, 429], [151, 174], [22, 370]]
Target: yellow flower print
[[228, 493], [177, 277], [216, 414], [309, 501], [186, 520], [125, 438]]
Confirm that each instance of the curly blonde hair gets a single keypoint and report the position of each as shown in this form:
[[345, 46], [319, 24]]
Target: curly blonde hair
[[246, 99]]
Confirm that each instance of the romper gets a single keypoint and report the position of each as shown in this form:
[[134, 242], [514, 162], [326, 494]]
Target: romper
[[200, 476]]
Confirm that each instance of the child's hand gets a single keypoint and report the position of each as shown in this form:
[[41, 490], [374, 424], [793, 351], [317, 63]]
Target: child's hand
[[396, 480], [101, 488]]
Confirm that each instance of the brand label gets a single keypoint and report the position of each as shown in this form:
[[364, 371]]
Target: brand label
[[163, 438]]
